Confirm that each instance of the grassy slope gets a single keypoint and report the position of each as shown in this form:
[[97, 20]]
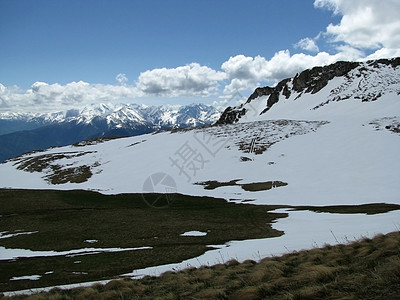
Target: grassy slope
[[65, 219], [367, 269]]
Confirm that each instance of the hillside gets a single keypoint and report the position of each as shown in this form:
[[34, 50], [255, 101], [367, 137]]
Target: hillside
[[366, 269], [317, 91], [340, 149]]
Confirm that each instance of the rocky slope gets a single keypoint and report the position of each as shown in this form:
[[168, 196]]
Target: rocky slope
[[362, 81]]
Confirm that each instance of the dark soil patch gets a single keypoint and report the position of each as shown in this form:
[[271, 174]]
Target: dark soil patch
[[250, 187]]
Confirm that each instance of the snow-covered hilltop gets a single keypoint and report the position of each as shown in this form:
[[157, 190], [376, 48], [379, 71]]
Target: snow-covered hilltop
[[330, 136], [319, 89]]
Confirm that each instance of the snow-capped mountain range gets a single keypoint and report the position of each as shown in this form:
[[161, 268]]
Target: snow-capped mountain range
[[124, 115], [23, 132], [328, 136]]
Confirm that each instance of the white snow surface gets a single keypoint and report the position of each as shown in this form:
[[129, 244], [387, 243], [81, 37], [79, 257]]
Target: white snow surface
[[345, 161], [6, 235], [28, 277], [91, 241], [194, 233]]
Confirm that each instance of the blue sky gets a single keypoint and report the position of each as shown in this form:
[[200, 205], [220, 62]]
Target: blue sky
[[70, 53]]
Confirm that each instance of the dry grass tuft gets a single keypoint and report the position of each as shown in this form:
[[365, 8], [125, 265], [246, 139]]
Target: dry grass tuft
[[232, 262], [210, 293], [246, 293], [88, 293]]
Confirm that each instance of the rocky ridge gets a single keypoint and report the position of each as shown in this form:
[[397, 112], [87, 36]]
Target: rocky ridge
[[372, 85]]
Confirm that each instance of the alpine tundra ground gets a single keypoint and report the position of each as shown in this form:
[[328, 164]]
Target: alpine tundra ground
[[366, 269], [112, 235], [80, 236]]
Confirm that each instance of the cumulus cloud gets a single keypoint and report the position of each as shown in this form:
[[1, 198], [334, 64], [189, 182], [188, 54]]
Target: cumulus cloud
[[192, 80], [248, 72], [365, 24], [244, 67], [307, 44], [189, 80], [384, 53], [43, 96]]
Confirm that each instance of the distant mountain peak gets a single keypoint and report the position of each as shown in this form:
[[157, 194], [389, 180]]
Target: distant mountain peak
[[23, 132], [121, 113]]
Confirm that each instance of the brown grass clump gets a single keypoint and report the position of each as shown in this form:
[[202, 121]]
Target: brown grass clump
[[210, 293], [245, 293], [88, 293], [309, 292], [367, 269]]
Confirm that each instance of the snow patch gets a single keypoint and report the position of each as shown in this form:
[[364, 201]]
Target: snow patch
[[29, 277], [6, 235], [194, 233], [8, 254], [91, 241]]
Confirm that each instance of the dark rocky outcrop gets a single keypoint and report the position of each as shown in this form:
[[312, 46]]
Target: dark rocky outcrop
[[394, 62], [231, 115], [315, 79]]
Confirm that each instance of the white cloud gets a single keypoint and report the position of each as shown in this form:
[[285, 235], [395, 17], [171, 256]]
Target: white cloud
[[248, 72], [43, 96], [348, 53], [307, 44], [365, 24], [384, 53], [244, 67], [189, 80]]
